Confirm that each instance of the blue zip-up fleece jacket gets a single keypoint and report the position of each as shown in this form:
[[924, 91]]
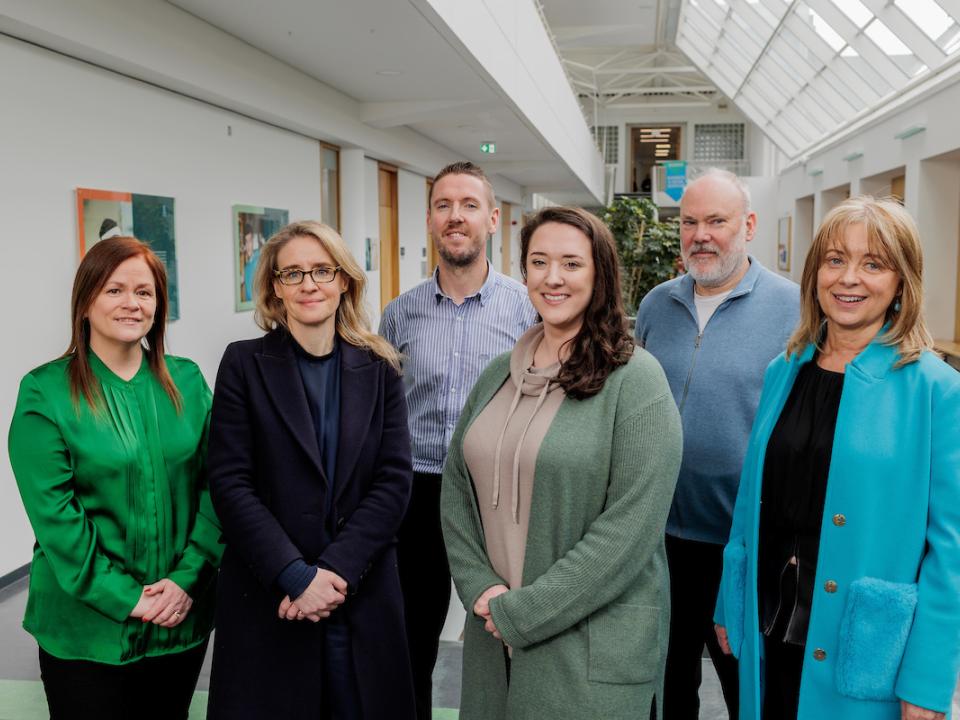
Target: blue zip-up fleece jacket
[[716, 379]]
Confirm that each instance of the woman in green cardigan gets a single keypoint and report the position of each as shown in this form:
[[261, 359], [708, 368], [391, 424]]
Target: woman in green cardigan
[[555, 496], [107, 445]]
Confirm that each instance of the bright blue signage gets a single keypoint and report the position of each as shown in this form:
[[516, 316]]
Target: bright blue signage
[[676, 173]]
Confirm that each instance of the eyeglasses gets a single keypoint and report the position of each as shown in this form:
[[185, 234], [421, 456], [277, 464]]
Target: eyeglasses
[[295, 277]]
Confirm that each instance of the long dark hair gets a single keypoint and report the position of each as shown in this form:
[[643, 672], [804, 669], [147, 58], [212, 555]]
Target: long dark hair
[[95, 270], [603, 343]]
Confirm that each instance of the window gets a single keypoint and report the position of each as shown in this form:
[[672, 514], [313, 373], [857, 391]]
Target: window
[[607, 139], [330, 185], [717, 142]]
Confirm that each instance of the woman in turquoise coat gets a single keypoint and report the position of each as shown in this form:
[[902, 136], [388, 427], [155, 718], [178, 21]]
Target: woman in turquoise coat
[[841, 585]]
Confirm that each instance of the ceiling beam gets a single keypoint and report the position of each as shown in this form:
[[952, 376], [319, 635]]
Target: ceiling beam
[[384, 115], [657, 70]]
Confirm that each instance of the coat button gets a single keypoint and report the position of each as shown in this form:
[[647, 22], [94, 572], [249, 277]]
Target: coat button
[[830, 586], [341, 522], [819, 654], [839, 520]]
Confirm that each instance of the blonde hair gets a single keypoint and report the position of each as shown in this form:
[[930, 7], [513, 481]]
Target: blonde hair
[[352, 322], [893, 238]]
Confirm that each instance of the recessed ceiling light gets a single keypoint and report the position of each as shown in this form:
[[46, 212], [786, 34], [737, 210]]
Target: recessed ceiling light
[[389, 73]]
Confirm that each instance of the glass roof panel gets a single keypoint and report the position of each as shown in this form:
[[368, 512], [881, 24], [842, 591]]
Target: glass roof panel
[[885, 39], [801, 68], [826, 32], [927, 15], [855, 10]]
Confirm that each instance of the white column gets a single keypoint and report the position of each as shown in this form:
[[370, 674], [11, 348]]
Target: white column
[[932, 195], [352, 224]]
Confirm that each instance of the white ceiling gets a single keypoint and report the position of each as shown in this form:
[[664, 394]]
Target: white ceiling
[[622, 54], [390, 58]]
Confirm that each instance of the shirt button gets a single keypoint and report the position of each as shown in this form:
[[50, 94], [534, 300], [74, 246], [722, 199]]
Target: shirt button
[[839, 520], [453, 389], [456, 354], [819, 654], [830, 586]]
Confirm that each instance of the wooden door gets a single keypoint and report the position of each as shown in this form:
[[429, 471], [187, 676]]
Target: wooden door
[[433, 258], [389, 235], [897, 187]]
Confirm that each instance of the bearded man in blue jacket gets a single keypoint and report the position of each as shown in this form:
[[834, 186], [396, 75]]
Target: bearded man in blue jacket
[[714, 331]]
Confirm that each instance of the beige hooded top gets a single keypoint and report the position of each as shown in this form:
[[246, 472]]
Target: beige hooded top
[[500, 449]]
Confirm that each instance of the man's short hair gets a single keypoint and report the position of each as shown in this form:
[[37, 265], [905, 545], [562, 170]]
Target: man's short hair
[[464, 167], [732, 178]]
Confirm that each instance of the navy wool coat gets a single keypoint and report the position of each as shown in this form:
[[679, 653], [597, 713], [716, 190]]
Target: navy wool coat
[[267, 484]]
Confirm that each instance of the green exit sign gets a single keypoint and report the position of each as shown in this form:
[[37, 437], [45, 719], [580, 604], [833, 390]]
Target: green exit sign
[[488, 147]]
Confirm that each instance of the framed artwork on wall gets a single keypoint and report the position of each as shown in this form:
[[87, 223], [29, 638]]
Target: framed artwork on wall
[[252, 227], [784, 229], [109, 213]]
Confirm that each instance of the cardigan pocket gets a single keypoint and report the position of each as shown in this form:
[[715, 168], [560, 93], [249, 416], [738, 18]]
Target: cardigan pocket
[[873, 636], [624, 644], [733, 586]]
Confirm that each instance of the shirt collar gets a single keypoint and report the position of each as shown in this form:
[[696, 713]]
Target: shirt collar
[[484, 293]]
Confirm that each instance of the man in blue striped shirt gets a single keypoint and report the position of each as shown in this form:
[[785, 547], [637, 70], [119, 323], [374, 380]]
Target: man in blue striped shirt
[[448, 328]]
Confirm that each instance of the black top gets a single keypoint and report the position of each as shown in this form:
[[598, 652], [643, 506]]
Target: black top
[[321, 382], [795, 474]]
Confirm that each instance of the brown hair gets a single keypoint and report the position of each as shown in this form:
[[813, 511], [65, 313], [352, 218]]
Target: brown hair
[[464, 167], [603, 343], [352, 322], [95, 270], [893, 238]]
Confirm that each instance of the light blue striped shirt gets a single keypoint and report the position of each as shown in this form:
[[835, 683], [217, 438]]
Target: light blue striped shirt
[[445, 347]]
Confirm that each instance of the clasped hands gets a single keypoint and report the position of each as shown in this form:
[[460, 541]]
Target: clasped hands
[[481, 608], [325, 593], [163, 603]]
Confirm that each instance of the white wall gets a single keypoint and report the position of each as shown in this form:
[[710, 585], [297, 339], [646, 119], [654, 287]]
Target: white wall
[[67, 124], [412, 198], [931, 163], [763, 196], [371, 224], [164, 45]]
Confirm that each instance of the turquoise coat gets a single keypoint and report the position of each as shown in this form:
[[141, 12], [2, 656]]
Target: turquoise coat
[[885, 621]]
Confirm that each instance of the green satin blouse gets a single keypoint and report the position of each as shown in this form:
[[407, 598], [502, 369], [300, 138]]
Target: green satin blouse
[[117, 499]]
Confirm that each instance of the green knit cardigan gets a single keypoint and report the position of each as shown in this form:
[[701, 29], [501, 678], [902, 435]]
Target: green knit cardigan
[[589, 628]]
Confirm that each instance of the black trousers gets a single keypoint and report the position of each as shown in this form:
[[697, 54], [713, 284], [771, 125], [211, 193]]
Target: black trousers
[[695, 569], [425, 583], [154, 687]]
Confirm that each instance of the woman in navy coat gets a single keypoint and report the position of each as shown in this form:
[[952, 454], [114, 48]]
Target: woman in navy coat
[[309, 462]]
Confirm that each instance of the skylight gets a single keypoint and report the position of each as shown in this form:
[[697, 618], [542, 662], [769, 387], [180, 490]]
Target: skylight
[[800, 68]]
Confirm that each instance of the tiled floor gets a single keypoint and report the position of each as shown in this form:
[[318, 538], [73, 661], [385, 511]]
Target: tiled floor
[[21, 695]]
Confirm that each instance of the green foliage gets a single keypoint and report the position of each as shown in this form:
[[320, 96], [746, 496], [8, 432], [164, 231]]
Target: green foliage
[[649, 249]]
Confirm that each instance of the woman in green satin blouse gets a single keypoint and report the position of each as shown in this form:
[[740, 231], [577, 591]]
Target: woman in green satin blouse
[[107, 445]]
